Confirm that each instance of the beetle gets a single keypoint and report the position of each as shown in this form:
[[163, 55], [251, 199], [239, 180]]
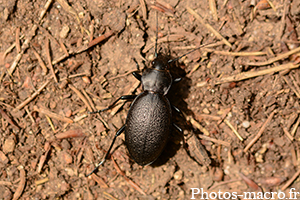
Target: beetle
[[148, 123], [149, 119]]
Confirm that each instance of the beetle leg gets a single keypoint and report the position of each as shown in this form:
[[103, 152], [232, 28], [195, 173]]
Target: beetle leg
[[177, 109], [137, 76], [176, 80], [125, 97], [107, 153], [137, 64], [177, 128]]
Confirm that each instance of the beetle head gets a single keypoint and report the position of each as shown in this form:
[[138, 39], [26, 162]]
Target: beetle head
[[160, 63]]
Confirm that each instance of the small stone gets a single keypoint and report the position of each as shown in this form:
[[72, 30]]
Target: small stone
[[64, 32], [66, 157], [86, 79], [9, 145], [68, 112], [70, 171], [52, 104], [205, 111], [178, 175], [3, 158], [246, 124]]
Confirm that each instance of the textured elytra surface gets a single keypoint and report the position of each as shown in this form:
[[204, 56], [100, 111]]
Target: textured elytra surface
[[147, 127]]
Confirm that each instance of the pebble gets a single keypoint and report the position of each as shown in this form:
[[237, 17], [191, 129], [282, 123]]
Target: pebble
[[9, 145], [64, 32], [246, 124], [178, 175]]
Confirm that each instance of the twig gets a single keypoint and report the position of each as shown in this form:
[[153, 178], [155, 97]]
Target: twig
[[291, 86], [206, 116], [227, 144], [46, 6], [43, 158], [88, 99], [168, 38], [8, 119], [74, 76], [144, 9], [295, 126], [247, 75], [208, 26], [11, 47], [28, 39], [197, 125], [164, 8], [21, 186], [92, 30], [133, 184], [41, 62], [49, 35], [80, 95], [289, 182], [101, 38], [50, 123], [41, 181], [18, 46], [225, 113], [24, 47], [52, 115], [260, 132], [108, 196], [278, 57], [72, 133], [29, 114], [250, 182], [213, 9], [49, 60], [5, 183], [297, 88], [226, 53], [233, 129], [24, 103], [78, 118], [99, 181], [206, 48], [62, 46], [71, 53], [86, 102], [287, 133]]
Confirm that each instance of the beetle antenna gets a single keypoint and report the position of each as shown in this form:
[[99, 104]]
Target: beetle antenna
[[172, 60], [156, 35]]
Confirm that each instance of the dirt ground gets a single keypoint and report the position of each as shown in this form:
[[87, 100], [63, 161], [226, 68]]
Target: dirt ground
[[239, 97]]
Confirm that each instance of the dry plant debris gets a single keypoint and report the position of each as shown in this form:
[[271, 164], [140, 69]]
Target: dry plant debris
[[239, 96]]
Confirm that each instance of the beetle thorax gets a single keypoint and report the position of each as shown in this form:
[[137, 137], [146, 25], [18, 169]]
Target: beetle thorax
[[158, 81]]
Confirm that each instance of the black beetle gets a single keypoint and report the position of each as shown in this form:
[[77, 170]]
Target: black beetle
[[149, 120]]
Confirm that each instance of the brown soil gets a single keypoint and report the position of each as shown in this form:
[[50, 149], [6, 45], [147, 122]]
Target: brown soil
[[49, 141]]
